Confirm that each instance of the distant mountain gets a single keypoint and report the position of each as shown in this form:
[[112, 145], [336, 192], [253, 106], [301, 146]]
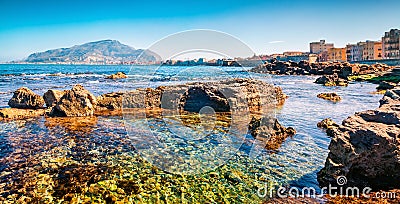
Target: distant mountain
[[104, 51]]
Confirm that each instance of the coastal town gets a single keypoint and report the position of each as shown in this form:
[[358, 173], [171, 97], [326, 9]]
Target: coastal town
[[385, 50]]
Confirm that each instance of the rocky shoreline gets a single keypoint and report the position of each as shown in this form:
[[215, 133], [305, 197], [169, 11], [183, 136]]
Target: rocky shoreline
[[332, 73], [365, 147], [342, 69]]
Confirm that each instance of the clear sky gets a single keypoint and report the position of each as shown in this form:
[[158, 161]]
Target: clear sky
[[266, 26]]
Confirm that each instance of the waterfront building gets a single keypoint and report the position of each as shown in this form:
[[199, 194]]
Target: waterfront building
[[337, 54], [391, 44], [319, 47]]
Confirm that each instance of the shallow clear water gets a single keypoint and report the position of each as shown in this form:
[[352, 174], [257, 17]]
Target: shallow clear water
[[51, 149]]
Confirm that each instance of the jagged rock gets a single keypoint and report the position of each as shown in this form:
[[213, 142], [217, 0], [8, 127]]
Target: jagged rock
[[331, 80], [75, 102], [391, 96], [110, 101], [232, 95], [26, 98], [51, 97], [118, 75], [17, 113], [330, 96], [270, 131], [343, 69], [327, 123], [366, 148]]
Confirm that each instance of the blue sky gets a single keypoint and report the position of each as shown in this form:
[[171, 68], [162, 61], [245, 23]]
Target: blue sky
[[266, 26]]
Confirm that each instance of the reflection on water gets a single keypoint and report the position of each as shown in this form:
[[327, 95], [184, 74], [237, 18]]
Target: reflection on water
[[94, 159]]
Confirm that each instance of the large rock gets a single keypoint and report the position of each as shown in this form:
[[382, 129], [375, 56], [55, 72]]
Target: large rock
[[233, 95], [26, 98], [75, 102], [51, 97], [366, 148]]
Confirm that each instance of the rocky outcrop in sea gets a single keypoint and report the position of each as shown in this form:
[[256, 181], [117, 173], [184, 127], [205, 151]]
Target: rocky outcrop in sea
[[76, 102], [26, 99], [343, 69], [246, 100], [334, 73], [334, 97], [365, 148], [118, 75]]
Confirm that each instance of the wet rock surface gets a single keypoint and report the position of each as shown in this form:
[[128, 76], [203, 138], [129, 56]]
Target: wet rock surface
[[17, 113], [270, 131], [26, 98], [330, 96], [75, 102], [365, 148]]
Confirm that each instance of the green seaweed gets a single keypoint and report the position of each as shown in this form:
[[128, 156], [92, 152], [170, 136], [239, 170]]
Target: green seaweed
[[392, 78]]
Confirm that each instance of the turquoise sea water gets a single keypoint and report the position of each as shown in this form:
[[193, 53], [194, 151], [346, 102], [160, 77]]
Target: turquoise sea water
[[31, 146]]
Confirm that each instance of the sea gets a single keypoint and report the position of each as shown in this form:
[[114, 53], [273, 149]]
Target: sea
[[94, 158]]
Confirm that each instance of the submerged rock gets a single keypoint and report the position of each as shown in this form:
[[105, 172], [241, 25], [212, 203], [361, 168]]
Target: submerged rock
[[330, 96], [26, 98], [72, 124], [75, 102], [118, 75], [366, 148], [270, 131], [17, 113]]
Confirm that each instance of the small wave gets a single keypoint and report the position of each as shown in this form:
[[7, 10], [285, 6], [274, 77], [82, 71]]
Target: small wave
[[34, 79], [93, 82], [55, 74]]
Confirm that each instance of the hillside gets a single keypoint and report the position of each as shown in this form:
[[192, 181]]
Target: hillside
[[104, 51]]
